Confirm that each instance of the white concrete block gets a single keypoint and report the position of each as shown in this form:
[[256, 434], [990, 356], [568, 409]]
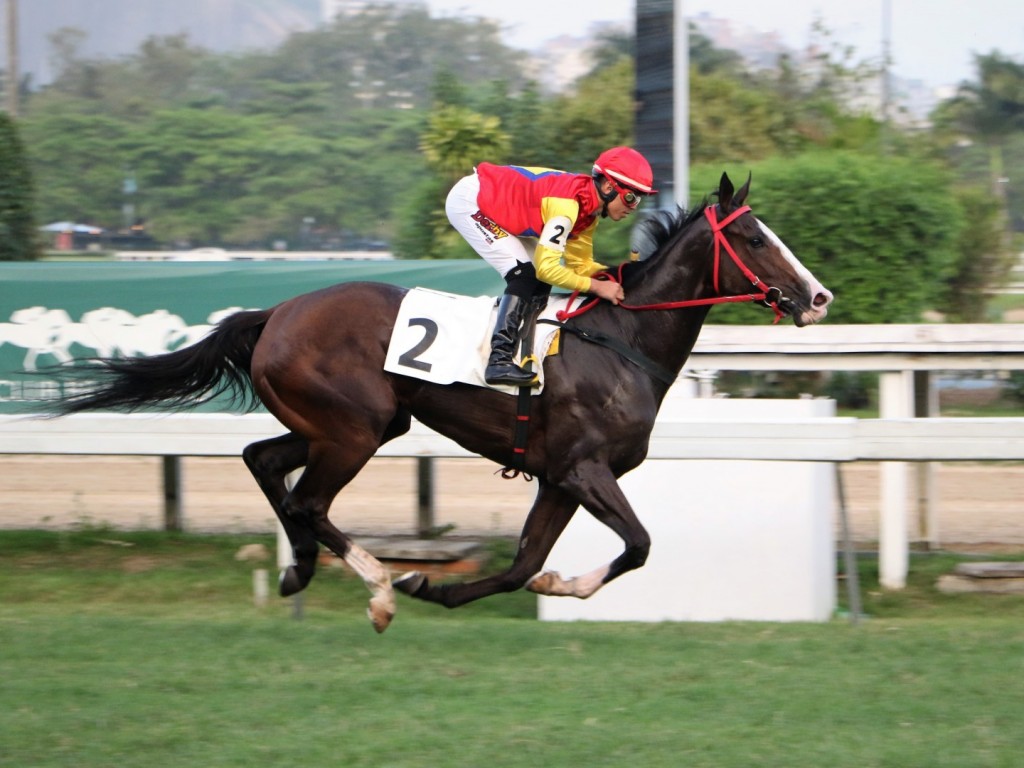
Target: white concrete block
[[743, 540]]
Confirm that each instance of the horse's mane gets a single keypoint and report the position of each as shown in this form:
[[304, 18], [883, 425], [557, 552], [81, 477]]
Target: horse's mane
[[657, 233], [663, 226]]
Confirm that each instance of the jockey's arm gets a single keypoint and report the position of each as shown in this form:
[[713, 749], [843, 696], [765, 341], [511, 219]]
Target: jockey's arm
[[554, 244], [579, 253]]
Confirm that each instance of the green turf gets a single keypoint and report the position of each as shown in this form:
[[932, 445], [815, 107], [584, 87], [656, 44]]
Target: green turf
[[146, 649]]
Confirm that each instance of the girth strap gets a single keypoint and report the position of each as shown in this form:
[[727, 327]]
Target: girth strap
[[525, 396]]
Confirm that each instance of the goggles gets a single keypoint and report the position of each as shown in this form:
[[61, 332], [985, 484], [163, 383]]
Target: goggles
[[630, 197]]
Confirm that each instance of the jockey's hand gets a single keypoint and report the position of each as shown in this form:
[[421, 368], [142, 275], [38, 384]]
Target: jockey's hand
[[609, 290]]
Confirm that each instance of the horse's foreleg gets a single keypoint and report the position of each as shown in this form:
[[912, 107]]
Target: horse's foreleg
[[270, 461], [548, 517], [600, 494]]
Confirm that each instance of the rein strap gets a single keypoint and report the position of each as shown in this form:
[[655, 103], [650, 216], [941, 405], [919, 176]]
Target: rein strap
[[717, 227], [654, 369]]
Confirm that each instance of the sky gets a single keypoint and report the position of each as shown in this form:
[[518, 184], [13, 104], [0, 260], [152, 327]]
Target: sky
[[929, 40]]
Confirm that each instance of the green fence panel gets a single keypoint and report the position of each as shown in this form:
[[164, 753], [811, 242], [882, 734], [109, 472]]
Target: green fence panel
[[44, 306]]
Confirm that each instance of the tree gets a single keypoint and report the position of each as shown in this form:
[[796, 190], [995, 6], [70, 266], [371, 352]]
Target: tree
[[983, 260], [988, 113], [456, 139], [246, 149], [599, 113], [993, 107], [78, 160], [18, 241], [722, 115], [706, 58], [610, 48]]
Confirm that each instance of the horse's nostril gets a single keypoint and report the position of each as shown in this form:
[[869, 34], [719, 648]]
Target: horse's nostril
[[821, 299]]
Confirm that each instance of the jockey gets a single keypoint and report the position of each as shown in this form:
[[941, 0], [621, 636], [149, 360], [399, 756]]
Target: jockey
[[558, 211]]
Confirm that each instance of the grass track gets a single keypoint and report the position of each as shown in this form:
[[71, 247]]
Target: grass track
[[153, 655]]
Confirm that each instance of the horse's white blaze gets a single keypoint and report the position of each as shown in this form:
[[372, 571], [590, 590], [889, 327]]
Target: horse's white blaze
[[551, 583], [376, 578], [812, 314]]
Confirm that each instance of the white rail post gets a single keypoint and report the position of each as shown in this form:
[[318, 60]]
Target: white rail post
[[895, 401]]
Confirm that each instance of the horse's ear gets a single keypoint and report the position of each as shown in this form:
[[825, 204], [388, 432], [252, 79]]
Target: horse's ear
[[725, 190], [741, 195]]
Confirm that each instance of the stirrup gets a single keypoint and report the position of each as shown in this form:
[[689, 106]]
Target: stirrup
[[510, 374]]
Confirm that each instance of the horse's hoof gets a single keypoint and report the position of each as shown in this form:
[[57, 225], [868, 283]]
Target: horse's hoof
[[543, 583], [290, 583], [381, 611], [410, 583]]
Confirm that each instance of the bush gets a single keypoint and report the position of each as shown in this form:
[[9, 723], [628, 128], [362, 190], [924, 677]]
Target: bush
[[879, 232], [851, 389], [18, 239]]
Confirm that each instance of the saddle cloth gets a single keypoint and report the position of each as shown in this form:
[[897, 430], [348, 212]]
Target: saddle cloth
[[446, 338]]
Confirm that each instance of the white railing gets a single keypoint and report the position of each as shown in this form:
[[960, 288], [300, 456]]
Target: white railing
[[826, 439], [836, 439]]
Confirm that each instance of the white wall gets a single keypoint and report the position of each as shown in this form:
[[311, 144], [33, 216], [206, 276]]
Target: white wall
[[743, 540]]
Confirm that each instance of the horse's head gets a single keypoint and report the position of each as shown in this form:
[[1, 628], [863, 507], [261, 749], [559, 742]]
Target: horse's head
[[750, 257]]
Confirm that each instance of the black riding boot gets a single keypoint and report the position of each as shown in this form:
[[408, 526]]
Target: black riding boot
[[500, 367]]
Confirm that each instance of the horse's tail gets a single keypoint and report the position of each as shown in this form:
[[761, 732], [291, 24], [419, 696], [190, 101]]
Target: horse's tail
[[216, 364]]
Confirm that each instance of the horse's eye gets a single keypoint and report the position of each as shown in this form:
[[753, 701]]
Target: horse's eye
[[756, 242]]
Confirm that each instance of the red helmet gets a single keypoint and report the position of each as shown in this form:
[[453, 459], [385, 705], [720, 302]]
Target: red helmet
[[627, 167]]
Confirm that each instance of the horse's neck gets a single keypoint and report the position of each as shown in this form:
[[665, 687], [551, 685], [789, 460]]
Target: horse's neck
[[668, 335]]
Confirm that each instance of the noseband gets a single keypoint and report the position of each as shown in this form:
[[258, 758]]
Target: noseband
[[769, 296]]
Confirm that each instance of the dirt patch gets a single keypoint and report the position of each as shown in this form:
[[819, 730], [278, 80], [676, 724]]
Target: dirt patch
[[977, 507], [139, 564]]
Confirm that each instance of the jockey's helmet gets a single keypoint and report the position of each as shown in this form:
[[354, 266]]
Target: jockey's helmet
[[627, 168]]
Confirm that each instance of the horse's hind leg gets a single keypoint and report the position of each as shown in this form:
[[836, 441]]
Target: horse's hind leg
[[270, 461], [303, 510], [373, 573], [329, 468]]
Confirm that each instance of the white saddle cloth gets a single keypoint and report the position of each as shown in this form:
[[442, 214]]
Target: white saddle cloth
[[444, 338]]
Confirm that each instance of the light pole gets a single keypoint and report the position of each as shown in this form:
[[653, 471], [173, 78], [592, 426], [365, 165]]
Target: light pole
[[886, 75], [681, 100], [12, 58]]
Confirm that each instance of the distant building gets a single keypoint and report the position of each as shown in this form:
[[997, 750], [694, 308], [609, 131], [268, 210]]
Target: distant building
[[912, 100]]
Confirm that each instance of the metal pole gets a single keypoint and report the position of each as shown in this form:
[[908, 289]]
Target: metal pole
[[12, 58], [424, 496], [926, 404], [886, 82], [849, 561], [172, 494], [681, 101]]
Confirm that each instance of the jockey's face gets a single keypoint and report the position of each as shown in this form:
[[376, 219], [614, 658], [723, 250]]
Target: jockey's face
[[617, 208]]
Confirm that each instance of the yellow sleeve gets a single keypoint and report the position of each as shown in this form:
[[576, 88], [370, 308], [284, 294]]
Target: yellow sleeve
[[578, 252]]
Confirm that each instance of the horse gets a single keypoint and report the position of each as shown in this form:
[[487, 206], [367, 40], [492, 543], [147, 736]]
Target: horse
[[316, 362], [111, 331], [38, 330]]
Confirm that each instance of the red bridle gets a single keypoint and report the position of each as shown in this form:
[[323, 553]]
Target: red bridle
[[717, 228]]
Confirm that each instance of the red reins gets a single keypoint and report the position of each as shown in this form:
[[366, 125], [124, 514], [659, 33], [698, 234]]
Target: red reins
[[717, 228]]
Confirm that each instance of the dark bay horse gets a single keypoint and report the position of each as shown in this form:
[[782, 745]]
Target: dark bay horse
[[317, 363]]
